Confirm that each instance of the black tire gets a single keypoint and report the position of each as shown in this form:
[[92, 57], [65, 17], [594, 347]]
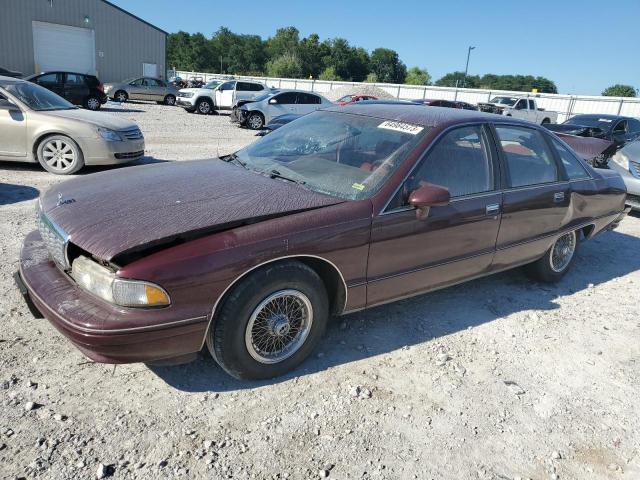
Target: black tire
[[255, 121], [92, 103], [121, 96], [50, 144], [226, 336], [542, 269], [170, 100], [204, 106]]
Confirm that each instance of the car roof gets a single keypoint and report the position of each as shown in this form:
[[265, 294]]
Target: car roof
[[59, 71], [420, 115], [606, 116]]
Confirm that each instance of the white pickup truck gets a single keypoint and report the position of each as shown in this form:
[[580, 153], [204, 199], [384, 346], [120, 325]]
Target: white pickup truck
[[524, 108], [214, 97]]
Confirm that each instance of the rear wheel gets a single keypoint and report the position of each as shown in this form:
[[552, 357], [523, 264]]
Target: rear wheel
[[170, 100], [204, 106], [121, 96], [92, 103], [255, 121], [556, 261], [270, 322], [59, 154]]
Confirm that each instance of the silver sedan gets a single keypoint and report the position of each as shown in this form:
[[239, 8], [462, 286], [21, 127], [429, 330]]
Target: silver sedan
[[143, 88], [627, 163]]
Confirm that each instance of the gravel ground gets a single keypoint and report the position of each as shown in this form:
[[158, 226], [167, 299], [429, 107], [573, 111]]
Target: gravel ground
[[499, 378]]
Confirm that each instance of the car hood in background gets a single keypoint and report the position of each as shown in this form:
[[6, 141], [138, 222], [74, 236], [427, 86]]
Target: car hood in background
[[99, 119], [128, 210], [588, 148]]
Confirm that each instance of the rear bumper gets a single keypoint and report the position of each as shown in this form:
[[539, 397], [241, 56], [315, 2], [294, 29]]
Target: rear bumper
[[101, 331]]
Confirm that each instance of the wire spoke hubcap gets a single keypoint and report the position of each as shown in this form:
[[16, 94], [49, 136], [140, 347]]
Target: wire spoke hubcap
[[562, 252], [279, 326]]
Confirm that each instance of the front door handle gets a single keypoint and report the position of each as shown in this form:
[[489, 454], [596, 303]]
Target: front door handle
[[493, 209], [558, 197]]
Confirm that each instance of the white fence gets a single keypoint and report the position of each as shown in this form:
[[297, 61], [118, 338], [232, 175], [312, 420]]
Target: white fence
[[565, 105]]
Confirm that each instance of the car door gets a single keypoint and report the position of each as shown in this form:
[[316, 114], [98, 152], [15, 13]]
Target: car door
[[285, 102], [306, 103], [155, 89], [75, 88], [137, 89], [409, 255], [13, 132], [536, 197], [225, 95], [620, 132], [523, 109], [53, 82]]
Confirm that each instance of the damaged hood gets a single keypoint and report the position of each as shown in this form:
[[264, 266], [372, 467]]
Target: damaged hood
[[589, 148], [129, 209], [572, 129]]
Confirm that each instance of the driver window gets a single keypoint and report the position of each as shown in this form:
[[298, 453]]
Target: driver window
[[621, 127], [460, 161], [288, 98], [227, 86], [521, 105], [137, 83]]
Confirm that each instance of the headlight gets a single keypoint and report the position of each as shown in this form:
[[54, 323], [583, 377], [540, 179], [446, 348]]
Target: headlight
[[109, 135], [185, 94], [102, 282], [622, 160]]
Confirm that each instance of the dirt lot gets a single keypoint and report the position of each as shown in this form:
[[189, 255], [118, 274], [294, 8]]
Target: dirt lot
[[500, 378]]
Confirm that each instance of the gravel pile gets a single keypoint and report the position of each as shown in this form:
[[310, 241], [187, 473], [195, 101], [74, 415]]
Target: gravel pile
[[499, 378], [365, 89]]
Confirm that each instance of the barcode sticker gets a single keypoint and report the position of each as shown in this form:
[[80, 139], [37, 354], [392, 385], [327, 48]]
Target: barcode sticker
[[401, 127]]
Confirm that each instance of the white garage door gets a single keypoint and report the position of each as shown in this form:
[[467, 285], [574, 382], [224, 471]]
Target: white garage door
[[60, 47]]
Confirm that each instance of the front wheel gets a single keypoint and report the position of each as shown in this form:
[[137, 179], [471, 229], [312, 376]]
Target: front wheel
[[271, 321], [556, 261], [61, 155], [204, 106], [255, 121]]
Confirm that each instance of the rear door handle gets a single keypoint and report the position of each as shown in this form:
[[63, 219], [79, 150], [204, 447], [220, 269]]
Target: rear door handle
[[493, 209], [558, 197]]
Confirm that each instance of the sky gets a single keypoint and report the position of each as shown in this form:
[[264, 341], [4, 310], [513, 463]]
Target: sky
[[583, 46]]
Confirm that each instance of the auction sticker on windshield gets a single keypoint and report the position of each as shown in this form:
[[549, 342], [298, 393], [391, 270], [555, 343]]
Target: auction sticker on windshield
[[401, 127]]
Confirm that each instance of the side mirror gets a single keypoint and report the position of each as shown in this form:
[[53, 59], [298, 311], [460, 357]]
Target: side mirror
[[8, 106], [273, 101], [427, 196]]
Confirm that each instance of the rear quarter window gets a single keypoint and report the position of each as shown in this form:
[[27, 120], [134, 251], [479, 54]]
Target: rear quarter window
[[572, 165]]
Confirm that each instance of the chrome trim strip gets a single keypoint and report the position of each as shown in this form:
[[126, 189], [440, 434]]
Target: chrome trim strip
[[239, 277]]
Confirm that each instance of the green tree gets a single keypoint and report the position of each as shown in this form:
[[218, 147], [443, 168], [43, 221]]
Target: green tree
[[329, 73], [286, 40], [287, 65], [387, 66], [418, 76], [312, 53], [179, 51], [455, 79], [619, 90]]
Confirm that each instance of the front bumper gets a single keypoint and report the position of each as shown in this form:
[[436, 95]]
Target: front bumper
[[186, 103], [631, 181], [103, 332], [238, 116], [101, 152]]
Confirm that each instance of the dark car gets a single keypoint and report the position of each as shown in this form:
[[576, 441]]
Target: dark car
[[278, 122], [617, 129], [9, 73], [340, 210], [77, 88], [449, 104]]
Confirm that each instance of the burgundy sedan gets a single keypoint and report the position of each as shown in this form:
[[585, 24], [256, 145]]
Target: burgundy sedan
[[343, 209]]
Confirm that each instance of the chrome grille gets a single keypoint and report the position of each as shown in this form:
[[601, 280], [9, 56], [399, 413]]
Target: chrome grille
[[634, 167], [55, 240], [132, 134]]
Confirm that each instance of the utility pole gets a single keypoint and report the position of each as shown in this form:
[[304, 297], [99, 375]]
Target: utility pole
[[466, 69], [221, 64]]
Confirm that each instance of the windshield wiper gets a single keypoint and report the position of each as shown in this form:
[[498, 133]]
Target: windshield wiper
[[277, 174], [233, 158]]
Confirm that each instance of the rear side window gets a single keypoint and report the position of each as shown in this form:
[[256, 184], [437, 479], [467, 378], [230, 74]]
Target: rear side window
[[572, 165], [243, 87], [288, 98], [256, 87], [634, 126], [459, 161], [307, 98], [74, 79], [529, 161]]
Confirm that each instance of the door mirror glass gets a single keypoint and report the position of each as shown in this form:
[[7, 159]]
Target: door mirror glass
[[273, 101], [426, 196]]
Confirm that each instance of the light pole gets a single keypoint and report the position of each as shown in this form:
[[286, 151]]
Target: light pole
[[466, 69]]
